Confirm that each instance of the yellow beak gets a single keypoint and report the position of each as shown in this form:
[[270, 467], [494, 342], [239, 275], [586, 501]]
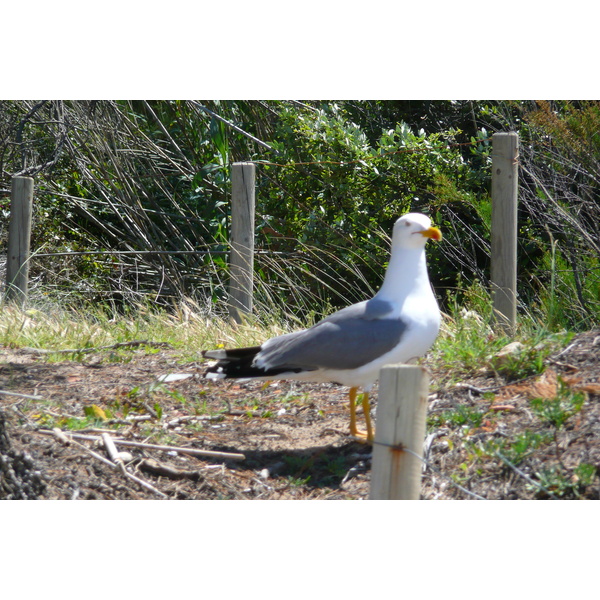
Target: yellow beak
[[433, 232]]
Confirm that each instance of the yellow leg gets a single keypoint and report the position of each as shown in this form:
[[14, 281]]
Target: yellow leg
[[353, 430], [363, 436], [367, 411]]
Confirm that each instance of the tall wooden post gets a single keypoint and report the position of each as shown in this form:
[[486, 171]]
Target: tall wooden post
[[401, 424], [241, 264], [19, 234], [505, 188]]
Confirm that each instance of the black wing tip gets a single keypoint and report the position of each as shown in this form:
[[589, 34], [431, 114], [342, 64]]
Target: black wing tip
[[232, 354], [232, 364], [237, 363]]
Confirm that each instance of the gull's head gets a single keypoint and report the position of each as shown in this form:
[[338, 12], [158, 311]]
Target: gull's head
[[413, 230]]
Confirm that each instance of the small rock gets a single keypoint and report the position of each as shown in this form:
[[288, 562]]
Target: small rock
[[509, 351]]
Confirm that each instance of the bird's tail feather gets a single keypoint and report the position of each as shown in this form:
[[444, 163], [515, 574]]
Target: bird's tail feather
[[238, 364]]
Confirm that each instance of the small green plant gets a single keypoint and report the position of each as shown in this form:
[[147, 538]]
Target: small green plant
[[293, 397], [463, 415], [556, 411], [523, 445], [338, 466], [90, 420], [201, 408], [196, 426], [585, 473], [514, 450], [298, 482], [462, 475], [74, 424], [175, 394], [158, 410], [467, 339], [557, 480], [296, 466], [529, 361]]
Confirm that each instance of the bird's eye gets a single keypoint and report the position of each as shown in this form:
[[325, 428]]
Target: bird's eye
[[407, 224]]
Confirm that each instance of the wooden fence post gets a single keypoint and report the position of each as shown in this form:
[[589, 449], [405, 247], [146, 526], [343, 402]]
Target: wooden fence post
[[505, 189], [401, 423], [19, 234], [241, 264]]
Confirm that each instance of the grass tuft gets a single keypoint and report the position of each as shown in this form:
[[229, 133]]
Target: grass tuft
[[186, 328]]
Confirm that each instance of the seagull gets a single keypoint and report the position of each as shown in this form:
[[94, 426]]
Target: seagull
[[349, 347]]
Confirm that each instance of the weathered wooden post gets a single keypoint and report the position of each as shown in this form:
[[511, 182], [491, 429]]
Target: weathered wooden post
[[401, 424], [19, 234], [241, 264], [505, 189]]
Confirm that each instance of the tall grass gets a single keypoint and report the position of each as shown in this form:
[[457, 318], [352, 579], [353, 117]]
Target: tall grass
[[186, 328], [153, 177], [468, 341]]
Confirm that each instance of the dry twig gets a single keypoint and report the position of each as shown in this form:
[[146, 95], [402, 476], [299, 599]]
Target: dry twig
[[27, 396], [120, 442], [67, 438], [132, 344], [157, 468]]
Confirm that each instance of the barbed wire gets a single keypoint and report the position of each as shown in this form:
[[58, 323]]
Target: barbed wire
[[430, 466], [508, 463]]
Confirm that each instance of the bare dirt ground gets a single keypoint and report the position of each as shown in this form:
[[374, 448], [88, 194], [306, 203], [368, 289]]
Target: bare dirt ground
[[293, 436]]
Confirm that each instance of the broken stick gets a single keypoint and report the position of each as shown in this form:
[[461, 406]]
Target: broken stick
[[120, 442]]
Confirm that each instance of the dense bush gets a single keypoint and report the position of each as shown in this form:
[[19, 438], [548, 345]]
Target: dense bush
[[331, 179]]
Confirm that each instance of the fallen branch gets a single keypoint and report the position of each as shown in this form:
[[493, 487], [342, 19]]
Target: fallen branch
[[132, 344], [111, 449], [192, 451], [187, 419], [27, 396], [139, 481], [477, 390], [162, 470], [129, 420], [67, 438], [64, 439], [61, 436], [94, 430], [120, 442]]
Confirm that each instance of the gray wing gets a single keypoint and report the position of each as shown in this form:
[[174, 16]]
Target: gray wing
[[348, 339]]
